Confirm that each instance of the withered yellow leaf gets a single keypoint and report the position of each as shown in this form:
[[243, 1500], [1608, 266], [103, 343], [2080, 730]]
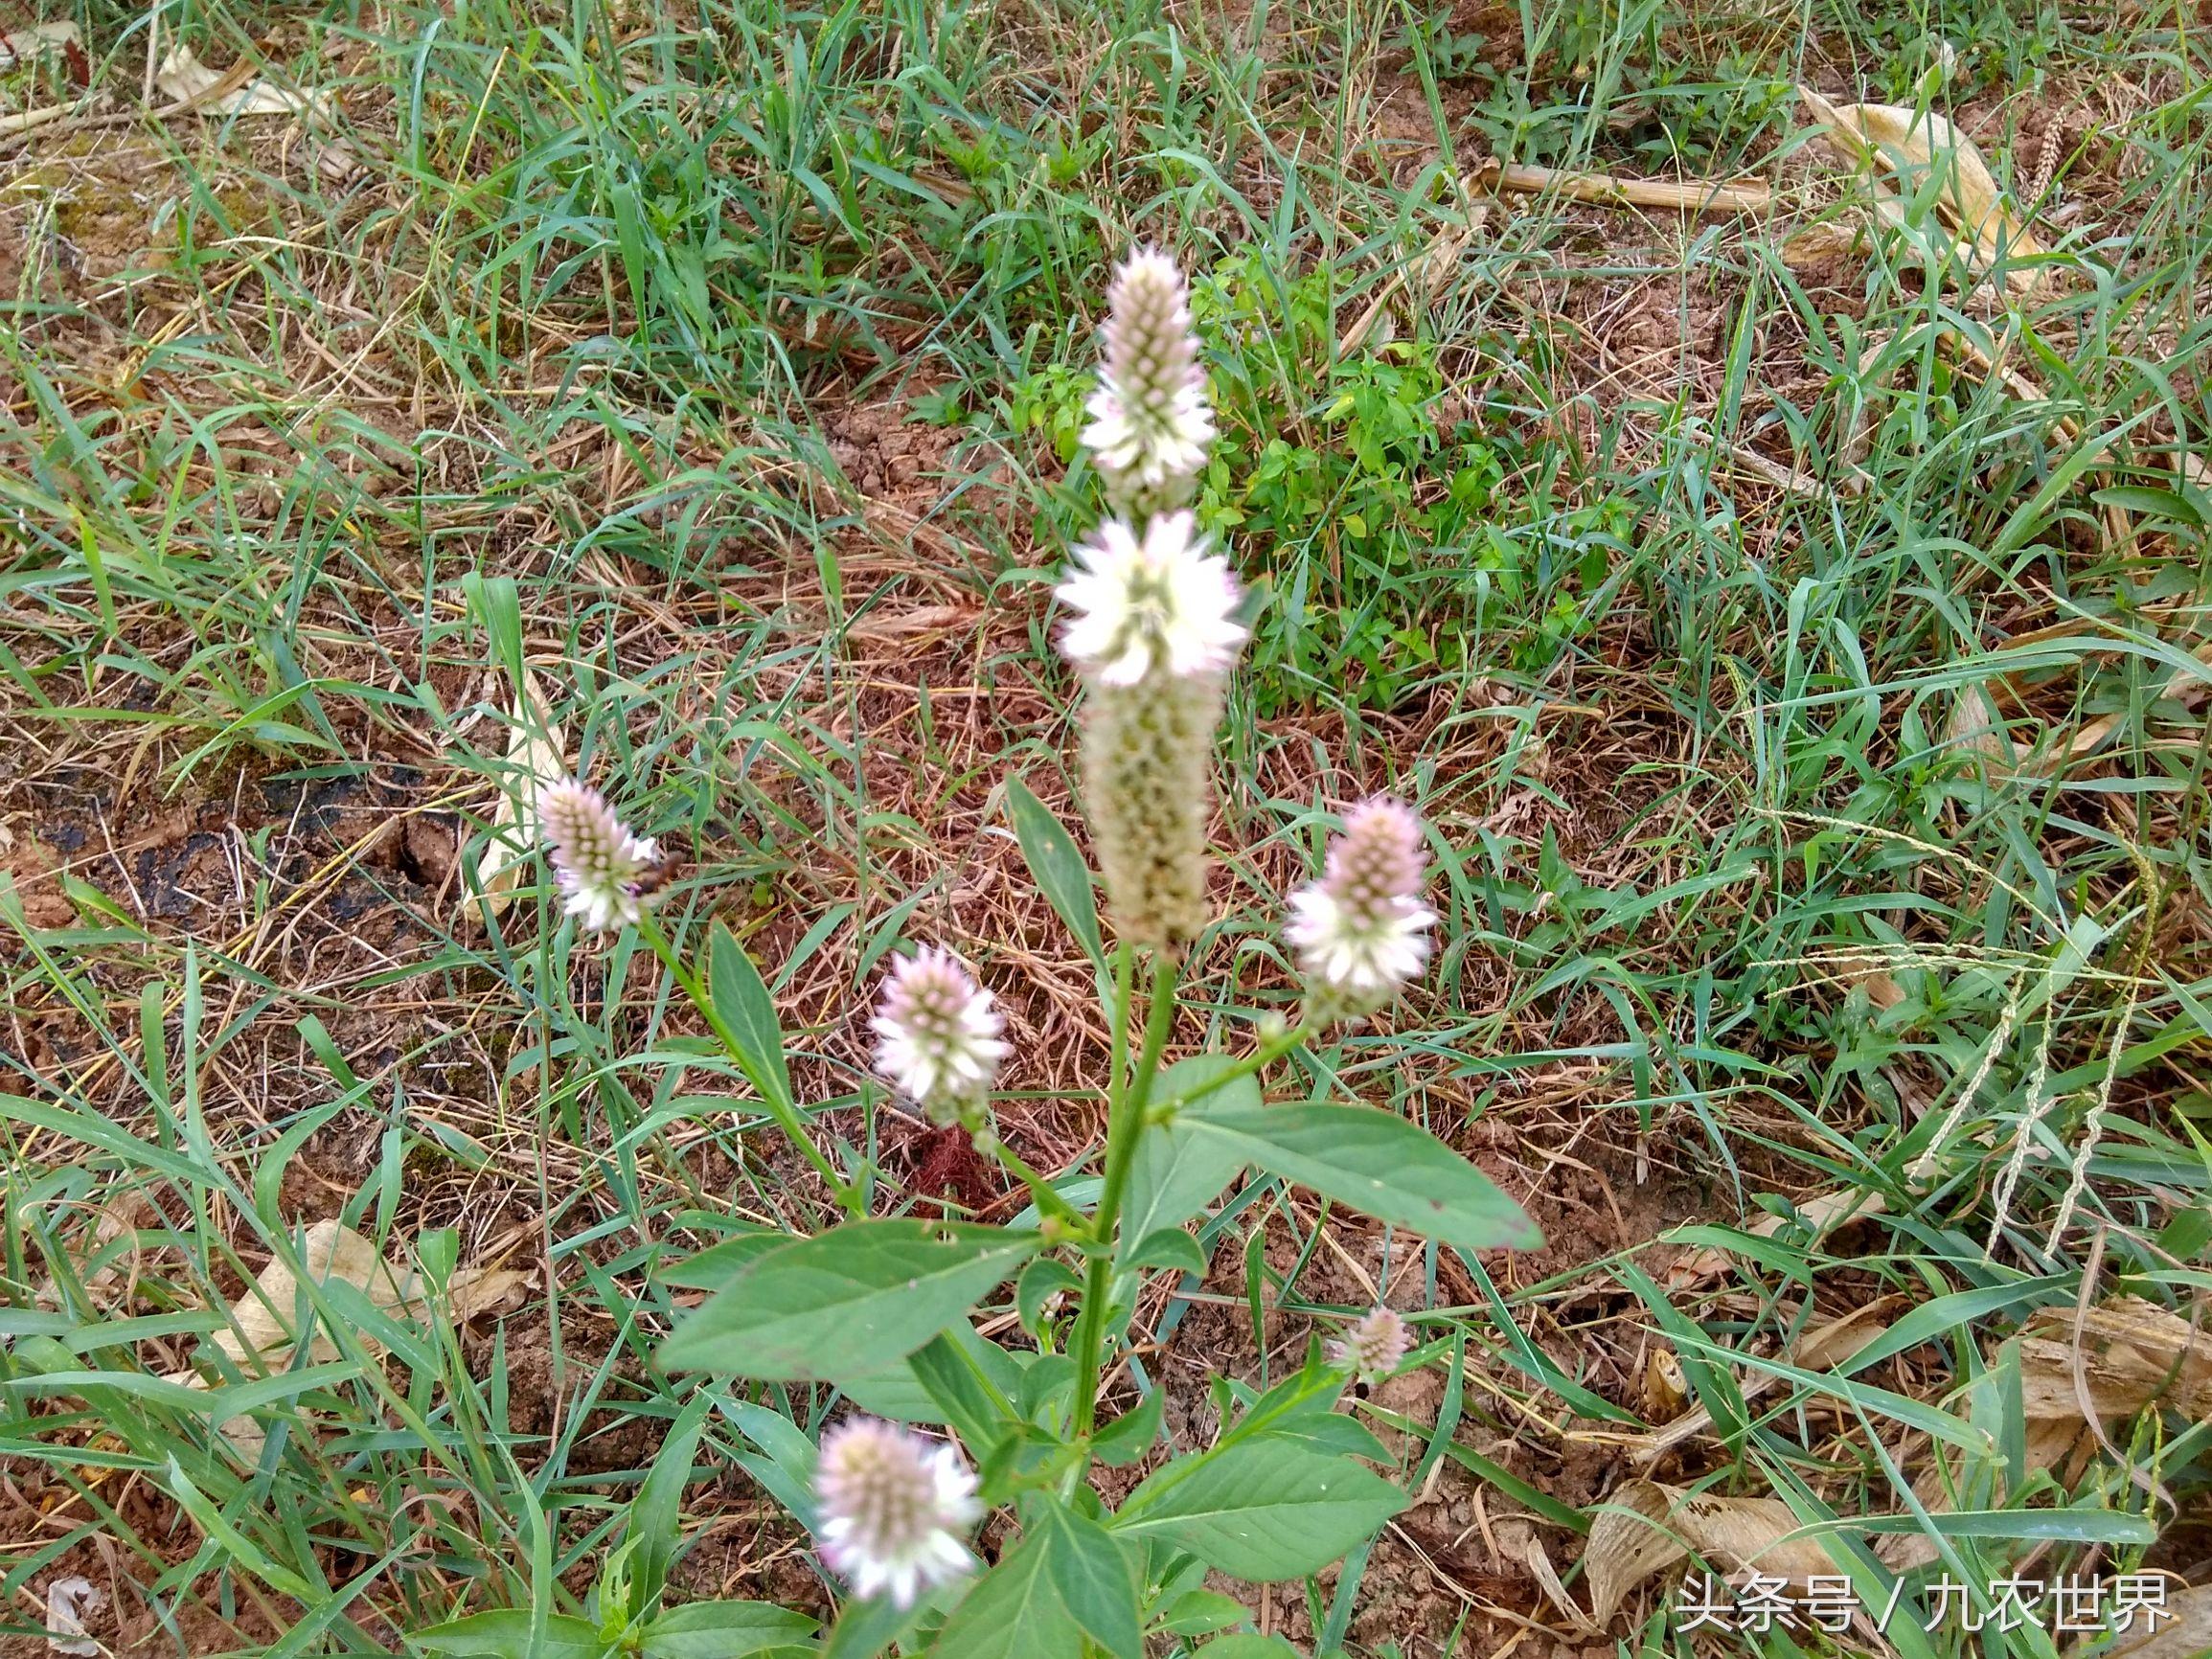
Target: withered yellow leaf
[[1909, 145]]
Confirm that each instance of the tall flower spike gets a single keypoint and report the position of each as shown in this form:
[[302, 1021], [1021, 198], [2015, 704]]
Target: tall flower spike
[[895, 1508], [939, 1034], [1361, 930], [1373, 1346], [1149, 427], [595, 860], [1148, 761], [1157, 601]]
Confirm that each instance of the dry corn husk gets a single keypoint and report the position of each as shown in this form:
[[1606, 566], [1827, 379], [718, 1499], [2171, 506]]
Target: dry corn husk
[[1836, 1342], [1666, 1388], [1889, 138], [1689, 195], [34, 40], [1978, 723], [1664, 1524], [1517, 1540], [2104, 1363], [2185, 1634], [1825, 1347], [262, 1332], [533, 760], [2132, 1352], [186, 79]]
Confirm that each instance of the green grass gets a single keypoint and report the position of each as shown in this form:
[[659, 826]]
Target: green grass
[[300, 473]]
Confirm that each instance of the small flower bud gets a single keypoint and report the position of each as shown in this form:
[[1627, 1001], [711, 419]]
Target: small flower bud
[[1150, 426], [941, 1044], [595, 860], [895, 1508], [1372, 1346], [1361, 930]]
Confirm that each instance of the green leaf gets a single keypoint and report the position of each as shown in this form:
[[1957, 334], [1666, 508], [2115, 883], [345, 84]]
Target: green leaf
[[895, 1393], [1202, 1612], [2151, 503], [1709, 1377], [1374, 1161], [1176, 1172], [1250, 1644], [1067, 1579], [1057, 863], [1510, 1483], [1131, 1435], [2186, 1236], [724, 1630], [901, 1393], [743, 1003], [2073, 1526], [1169, 1247], [786, 1460], [1531, 1361], [1043, 1381], [962, 1385], [1330, 1432], [496, 604], [1263, 1508], [1957, 1311], [865, 1629], [714, 1266], [217, 1527], [851, 1302], [656, 1513], [2029, 519], [506, 1634]]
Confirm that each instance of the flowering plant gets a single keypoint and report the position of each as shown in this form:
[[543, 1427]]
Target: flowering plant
[[946, 1426]]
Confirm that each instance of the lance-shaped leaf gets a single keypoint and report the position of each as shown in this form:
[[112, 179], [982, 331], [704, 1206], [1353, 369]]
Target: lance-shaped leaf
[[1374, 1162], [1066, 1581], [1265, 1509], [847, 1303]]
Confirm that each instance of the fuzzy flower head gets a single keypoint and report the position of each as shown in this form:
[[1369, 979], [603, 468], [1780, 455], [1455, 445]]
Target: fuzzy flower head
[[1147, 790], [1373, 1347], [1155, 599], [595, 860], [939, 1034], [1149, 427], [895, 1508], [1361, 930]]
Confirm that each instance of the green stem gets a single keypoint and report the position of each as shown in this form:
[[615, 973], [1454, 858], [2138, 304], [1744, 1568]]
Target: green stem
[[1118, 1065], [1049, 1202], [787, 1116], [1125, 1124], [1265, 1055]]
